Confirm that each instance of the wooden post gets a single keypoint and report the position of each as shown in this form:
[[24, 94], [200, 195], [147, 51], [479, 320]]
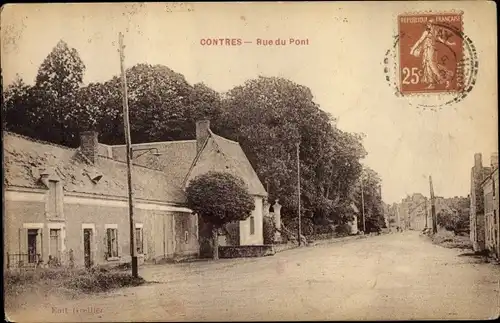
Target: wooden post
[[363, 203], [433, 207], [126, 124]]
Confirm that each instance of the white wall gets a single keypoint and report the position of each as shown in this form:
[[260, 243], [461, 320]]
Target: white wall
[[257, 238]]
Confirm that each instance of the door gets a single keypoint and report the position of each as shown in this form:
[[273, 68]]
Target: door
[[32, 245], [87, 239]]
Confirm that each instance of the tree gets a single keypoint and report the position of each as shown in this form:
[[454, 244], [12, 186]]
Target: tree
[[43, 111], [268, 116], [219, 198], [373, 205]]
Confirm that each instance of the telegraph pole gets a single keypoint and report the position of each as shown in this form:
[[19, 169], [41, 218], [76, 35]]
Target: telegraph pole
[[363, 203], [433, 208], [426, 214], [126, 124]]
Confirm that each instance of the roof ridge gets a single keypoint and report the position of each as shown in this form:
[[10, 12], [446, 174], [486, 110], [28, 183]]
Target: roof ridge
[[223, 138], [38, 140], [156, 142], [195, 160], [135, 165]]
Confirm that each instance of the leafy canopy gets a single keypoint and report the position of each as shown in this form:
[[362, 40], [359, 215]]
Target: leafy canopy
[[219, 198]]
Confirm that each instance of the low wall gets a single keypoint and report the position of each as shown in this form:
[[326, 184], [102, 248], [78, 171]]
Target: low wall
[[246, 251]]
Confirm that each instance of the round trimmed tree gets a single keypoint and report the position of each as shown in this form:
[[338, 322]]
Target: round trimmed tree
[[219, 198]]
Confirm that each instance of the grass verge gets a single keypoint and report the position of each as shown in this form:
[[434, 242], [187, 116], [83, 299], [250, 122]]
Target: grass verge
[[64, 282], [448, 239]]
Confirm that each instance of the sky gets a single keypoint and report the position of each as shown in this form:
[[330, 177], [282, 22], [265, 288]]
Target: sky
[[342, 64]]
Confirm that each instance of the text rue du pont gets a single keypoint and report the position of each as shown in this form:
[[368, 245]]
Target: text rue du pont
[[257, 41]]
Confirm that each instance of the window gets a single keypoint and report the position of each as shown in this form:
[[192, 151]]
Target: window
[[112, 240], [186, 236], [139, 241], [53, 199], [33, 245], [493, 186], [252, 225], [54, 251]]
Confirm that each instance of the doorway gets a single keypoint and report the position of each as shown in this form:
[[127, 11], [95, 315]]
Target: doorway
[[87, 247], [32, 245]]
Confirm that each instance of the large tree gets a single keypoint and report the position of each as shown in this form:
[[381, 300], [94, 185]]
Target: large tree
[[268, 116], [366, 194], [219, 198], [45, 109]]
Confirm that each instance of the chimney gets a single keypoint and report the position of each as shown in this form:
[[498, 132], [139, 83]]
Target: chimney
[[494, 160], [202, 133], [478, 161], [89, 145]]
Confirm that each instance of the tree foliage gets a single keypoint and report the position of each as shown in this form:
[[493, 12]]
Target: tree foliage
[[266, 115], [219, 198], [369, 184]]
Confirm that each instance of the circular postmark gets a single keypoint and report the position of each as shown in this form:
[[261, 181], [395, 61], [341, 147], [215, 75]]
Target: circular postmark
[[434, 68]]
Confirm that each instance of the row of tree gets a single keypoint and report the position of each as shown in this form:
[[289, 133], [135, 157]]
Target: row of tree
[[267, 116]]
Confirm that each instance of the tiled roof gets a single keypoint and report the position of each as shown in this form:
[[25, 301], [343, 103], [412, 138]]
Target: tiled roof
[[241, 165], [24, 157], [175, 159], [178, 158]]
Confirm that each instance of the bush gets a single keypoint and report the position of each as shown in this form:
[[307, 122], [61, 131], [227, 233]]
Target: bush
[[307, 227], [269, 230], [343, 229]]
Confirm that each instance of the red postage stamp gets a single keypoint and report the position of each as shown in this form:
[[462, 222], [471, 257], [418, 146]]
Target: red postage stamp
[[430, 53]]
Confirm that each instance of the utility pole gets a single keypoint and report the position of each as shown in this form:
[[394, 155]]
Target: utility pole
[[363, 203], [298, 191], [433, 208], [426, 214], [126, 124]]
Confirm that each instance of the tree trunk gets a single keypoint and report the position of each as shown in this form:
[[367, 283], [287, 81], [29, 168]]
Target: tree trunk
[[215, 243]]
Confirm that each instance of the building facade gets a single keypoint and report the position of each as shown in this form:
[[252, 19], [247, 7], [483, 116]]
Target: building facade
[[477, 220], [67, 206], [491, 214]]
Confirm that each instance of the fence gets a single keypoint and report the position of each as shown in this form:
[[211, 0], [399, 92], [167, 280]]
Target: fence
[[23, 260]]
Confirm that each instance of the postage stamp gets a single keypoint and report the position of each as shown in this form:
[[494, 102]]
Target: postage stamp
[[430, 53]]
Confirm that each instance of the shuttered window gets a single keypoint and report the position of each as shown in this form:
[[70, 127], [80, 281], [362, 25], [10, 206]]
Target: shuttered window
[[112, 241], [252, 225]]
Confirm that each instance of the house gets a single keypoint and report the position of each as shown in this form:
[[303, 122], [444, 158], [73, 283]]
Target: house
[[182, 161], [70, 206], [477, 221], [489, 187]]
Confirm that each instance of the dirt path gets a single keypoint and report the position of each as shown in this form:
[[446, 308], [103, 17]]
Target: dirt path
[[397, 276]]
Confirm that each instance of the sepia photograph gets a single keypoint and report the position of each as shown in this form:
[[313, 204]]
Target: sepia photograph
[[250, 161]]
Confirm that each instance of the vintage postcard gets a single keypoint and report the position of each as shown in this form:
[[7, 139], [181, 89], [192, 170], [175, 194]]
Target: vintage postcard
[[250, 161]]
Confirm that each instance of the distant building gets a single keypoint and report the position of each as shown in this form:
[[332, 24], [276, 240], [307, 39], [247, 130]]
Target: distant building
[[491, 214], [477, 221]]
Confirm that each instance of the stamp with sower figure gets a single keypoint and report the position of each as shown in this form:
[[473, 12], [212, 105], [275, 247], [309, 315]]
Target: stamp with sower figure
[[430, 53]]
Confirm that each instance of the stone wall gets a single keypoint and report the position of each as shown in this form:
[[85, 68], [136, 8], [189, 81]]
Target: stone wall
[[246, 251]]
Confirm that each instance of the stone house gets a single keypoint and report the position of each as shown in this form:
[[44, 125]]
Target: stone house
[[491, 214], [183, 160], [70, 206], [477, 221]]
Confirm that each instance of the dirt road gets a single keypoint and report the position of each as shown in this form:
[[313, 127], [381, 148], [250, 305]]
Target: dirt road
[[398, 276]]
